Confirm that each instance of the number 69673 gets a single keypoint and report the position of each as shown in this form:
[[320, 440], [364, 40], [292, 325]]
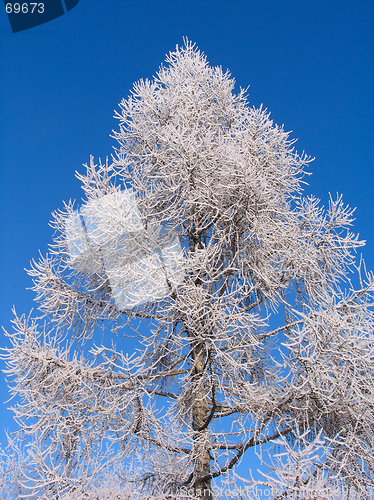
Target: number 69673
[[24, 8]]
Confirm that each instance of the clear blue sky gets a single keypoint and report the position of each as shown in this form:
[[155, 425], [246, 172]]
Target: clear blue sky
[[311, 63]]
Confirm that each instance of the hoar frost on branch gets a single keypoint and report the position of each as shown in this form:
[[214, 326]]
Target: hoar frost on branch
[[198, 241]]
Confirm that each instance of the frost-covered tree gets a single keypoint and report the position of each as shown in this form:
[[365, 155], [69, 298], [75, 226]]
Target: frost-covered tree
[[251, 336]]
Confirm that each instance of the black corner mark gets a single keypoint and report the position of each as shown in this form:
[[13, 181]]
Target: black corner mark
[[25, 15]]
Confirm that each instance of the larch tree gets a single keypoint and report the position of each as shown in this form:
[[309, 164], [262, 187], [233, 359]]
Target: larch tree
[[251, 315]]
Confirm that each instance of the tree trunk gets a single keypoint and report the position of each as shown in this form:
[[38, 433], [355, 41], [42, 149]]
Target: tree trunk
[[199, 416]]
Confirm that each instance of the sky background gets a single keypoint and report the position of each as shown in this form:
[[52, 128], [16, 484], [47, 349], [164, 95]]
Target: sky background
[[310, 63]]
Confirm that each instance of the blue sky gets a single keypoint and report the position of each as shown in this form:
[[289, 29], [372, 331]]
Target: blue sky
[[311, 63]]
